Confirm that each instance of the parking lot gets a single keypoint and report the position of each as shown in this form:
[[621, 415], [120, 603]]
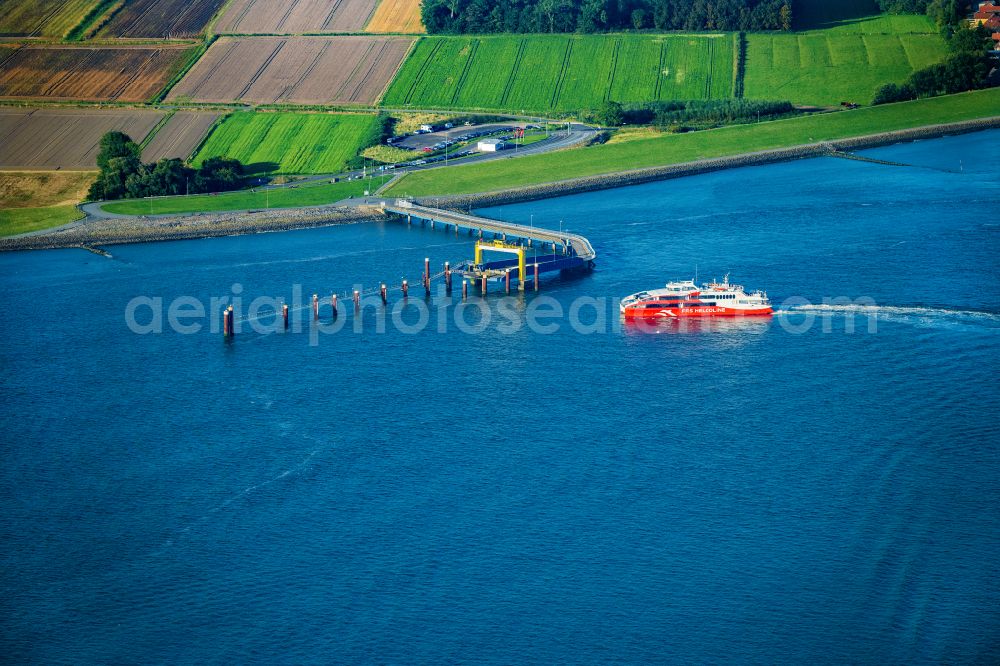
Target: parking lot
[[457, 134]]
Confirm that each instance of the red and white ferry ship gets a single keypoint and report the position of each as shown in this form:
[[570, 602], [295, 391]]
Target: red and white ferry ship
[[686, 299]]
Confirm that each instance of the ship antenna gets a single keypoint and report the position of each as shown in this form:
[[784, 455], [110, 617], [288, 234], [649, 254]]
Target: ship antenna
[[696, 275]]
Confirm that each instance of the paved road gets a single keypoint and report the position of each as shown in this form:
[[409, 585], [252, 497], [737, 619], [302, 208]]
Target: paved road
[[421, 141], [578, 134]]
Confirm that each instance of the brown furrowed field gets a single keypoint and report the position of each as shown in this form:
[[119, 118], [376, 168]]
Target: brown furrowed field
[[119, 73], [301, 70], [41, 18], [397, 16], [64, 138], [291, 17], [180, 137], [162, 18]]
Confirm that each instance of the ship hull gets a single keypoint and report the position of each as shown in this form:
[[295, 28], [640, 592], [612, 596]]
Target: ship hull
[[683, 313]]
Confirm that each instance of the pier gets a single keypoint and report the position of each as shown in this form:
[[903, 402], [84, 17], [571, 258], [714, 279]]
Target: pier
[[534, 251], [549, 250]]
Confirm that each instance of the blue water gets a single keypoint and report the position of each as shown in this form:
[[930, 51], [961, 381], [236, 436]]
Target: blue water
[[768, 492]]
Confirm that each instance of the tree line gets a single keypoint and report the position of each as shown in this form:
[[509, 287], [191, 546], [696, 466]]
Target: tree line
[[966, 68], [681, 115], [943, 12], [589, 16], [123, 175]]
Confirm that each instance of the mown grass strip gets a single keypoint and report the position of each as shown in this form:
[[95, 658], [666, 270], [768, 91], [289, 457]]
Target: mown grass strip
[[679, 148], [14, 221], [288, 197]]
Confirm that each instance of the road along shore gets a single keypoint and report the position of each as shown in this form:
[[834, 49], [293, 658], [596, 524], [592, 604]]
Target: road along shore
[[91, 232], [652, 174]]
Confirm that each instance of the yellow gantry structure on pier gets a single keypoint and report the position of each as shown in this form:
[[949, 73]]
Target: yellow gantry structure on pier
[[507, 248]]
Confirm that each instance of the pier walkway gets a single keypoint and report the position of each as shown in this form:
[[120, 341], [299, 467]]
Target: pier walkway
[[507, 231], [551, 250]]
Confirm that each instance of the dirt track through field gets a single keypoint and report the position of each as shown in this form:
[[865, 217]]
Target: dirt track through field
[[303, 70]]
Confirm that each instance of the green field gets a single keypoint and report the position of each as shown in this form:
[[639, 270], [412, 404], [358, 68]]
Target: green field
[[42, 18], [855, 16], [678, 148], [541, 73], [829, 67], [313, 194], [291, 143], [15, 221]]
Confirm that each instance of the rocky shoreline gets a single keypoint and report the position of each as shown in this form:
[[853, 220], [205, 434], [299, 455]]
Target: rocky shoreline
[[91, 232]]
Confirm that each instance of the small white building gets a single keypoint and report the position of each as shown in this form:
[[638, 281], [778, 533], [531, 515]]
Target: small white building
[[491, 145]]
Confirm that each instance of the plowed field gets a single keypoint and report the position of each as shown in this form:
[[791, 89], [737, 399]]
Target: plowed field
[[64, 138], [303, 70], [180, 136], [290, 17], [127, 74], [161, 18]]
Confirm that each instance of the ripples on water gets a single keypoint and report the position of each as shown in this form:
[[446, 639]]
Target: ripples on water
[[705, 492]]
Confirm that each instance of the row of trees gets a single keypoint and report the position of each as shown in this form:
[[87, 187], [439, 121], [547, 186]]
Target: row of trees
[[695, 112], [587, 16], [123, 175], [944, 12], [967, 68]]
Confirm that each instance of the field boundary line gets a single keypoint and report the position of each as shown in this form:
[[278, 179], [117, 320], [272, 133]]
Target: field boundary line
[[155, 130], [465, 71], [211, 130], [399, 66], [216, 17], [513, 72], [371, 15], [78, 31], [193, 58]]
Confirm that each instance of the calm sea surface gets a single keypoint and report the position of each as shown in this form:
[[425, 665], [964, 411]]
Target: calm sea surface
[[767, 492]]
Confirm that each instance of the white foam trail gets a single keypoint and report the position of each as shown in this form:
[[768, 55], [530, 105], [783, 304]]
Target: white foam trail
[[912, 315], [240, 495]]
